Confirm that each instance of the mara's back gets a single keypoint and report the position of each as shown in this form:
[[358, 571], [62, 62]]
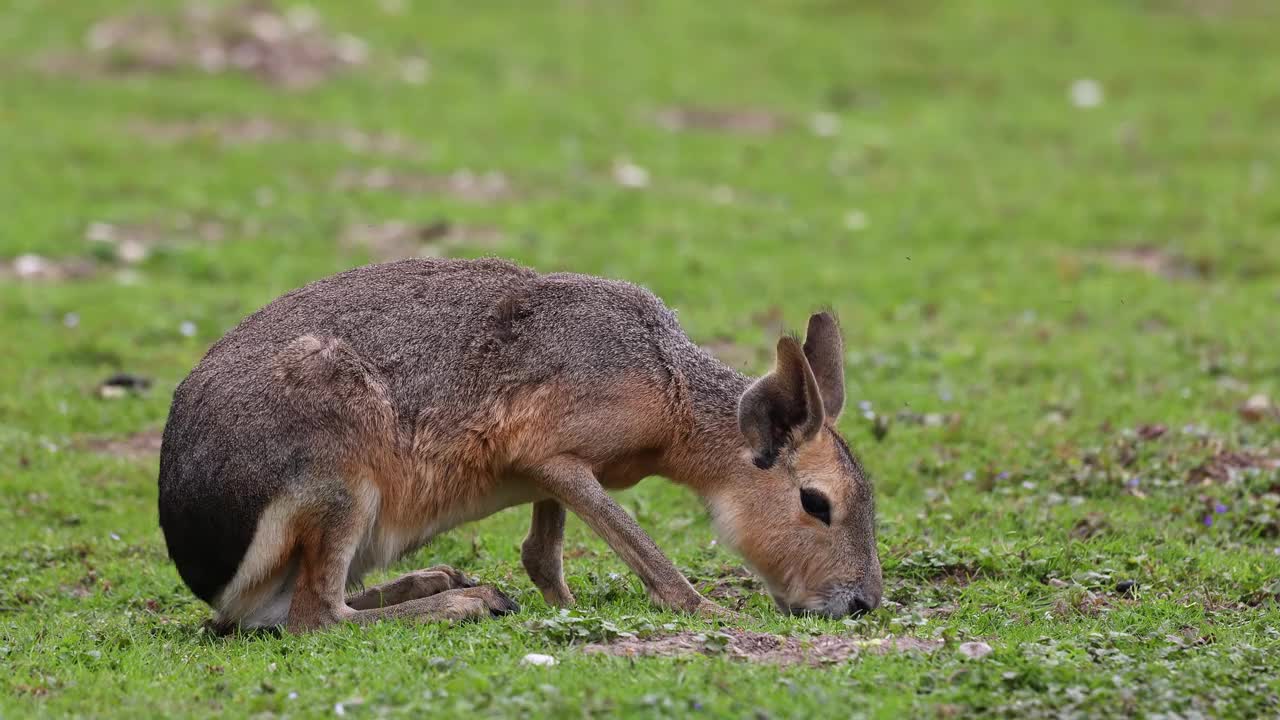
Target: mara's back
[[441, 331], [442, 336]]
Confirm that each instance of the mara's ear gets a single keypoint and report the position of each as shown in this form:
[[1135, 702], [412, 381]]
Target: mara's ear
[[824, 348], [782, 409]]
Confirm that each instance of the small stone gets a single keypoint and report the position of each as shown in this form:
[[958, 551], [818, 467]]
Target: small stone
[[975, 650], [28, 266], [538, 660], [131, 252], [825, 124], [1256, 409], [415, 70], [100, 232], [628, 174], [1086, 93], [187, 329], [351, 49]]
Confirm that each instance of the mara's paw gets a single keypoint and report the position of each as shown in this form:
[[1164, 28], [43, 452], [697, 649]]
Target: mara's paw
[[558, 596], [456, 577], [494, 599], [710, 610]]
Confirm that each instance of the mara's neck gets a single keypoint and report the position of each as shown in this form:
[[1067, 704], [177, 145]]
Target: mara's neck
[[709, 446]]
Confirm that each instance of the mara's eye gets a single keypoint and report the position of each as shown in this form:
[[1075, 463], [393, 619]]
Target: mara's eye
[[816, 504]]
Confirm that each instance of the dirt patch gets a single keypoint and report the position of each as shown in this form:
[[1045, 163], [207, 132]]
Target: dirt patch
[[131, 243], [397, 240], [736, 585], [1087, 604], [931, 419], [761, 647], [145, 444], [1213, 9], [463, 185], [1159, 262], [1151, 431], [739, 121], [37, 268], [1220, 467], [115, 244], [285, 49], [233, 132], [1090, 526]]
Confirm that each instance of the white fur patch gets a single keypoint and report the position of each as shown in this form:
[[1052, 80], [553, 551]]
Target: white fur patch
[[272, 538]]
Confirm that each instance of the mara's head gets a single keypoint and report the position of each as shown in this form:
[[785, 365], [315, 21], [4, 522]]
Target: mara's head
[[800, 509]]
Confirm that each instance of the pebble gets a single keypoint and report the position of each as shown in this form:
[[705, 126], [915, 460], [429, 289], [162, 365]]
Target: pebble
[[1256, 408], [825, 124], [28, 266], [538, 660], [628, 174], [975, 650], [1086, 93]]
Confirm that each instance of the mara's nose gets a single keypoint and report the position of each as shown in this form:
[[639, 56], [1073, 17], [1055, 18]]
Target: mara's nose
[[863, 603], [852, 601]]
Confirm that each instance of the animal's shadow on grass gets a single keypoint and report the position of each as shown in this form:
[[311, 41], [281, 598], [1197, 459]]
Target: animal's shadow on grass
[[211, 631]]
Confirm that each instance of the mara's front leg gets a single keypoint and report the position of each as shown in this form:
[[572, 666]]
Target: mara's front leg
[[571, 482], [543, 551]]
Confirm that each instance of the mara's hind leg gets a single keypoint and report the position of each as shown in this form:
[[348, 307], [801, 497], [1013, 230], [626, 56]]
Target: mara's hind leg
[[417, 584], [328, 382], [318, 597], [325, 550], [460, 604]]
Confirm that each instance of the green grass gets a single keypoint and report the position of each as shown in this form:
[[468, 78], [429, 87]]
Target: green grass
[[982, 286]]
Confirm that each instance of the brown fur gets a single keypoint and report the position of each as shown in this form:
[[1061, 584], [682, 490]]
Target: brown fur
[[541, 553], [350, 421]]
